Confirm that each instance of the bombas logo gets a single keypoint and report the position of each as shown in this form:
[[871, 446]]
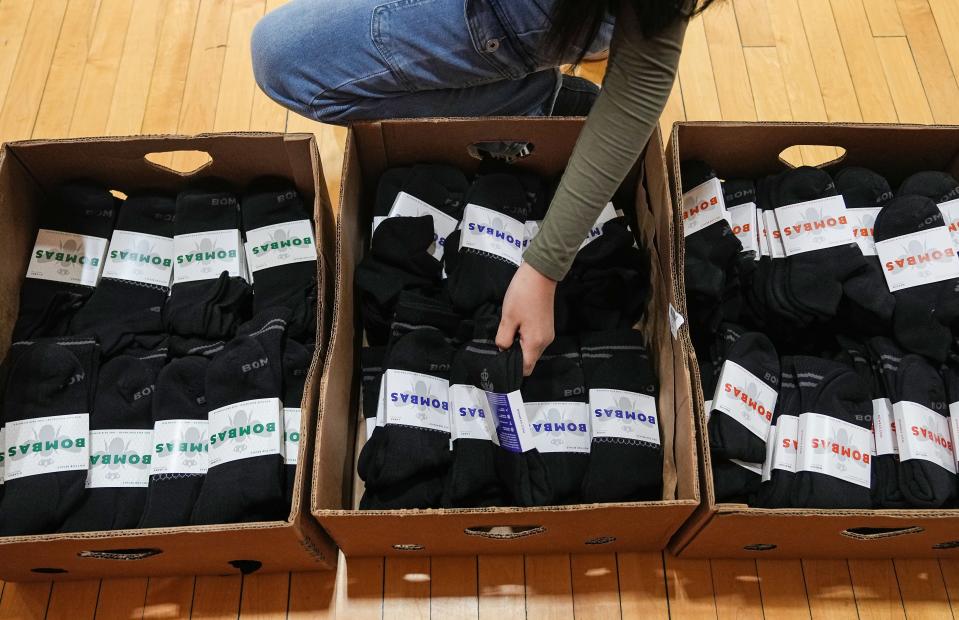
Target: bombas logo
[[117, 456], [748, 396], [814, 224], [45, 444], [280, 243], [495, 228], [628, 411], [205, 253], [839, 445], [67, 254], [143, 254], [242, 427], [557, 425], [191, 444], [700, 207], [419, 398], [927, 432], [863, 224], [918, 256]]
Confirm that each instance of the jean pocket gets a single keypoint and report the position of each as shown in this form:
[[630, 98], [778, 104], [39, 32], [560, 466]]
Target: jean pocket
[[436, 44]]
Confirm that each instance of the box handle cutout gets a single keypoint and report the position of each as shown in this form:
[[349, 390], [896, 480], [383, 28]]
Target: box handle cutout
[[246, 566], [48, 571], [878, 533], [120, 554], [505, 151], [601, 540], [504, 532], [949, 544], [817, 155], [181, 163], [409, 547], [760, 547]]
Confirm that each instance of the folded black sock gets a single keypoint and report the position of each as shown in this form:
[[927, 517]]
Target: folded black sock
[[924, 311], [745, 399], [53, 289], [121, 447], [46, 378], [736, 482], [556, 403], [885, 356], [207, 300], [282, 246], [297, 359], [125, 308], [780, 464], [181, 443], [834, 431], [245, 481], [626, 454], [933, 184]]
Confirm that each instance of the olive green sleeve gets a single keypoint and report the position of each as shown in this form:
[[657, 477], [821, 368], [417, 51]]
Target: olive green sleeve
[[638, 82]]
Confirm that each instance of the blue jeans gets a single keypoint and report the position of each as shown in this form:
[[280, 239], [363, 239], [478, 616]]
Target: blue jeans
[[338, 61]]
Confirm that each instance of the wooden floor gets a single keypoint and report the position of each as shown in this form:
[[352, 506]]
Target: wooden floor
[[93, 67]]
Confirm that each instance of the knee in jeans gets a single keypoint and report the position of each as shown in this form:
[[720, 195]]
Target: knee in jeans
[[272, 60]]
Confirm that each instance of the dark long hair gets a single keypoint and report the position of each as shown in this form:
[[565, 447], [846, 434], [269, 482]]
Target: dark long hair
[[575, 23]]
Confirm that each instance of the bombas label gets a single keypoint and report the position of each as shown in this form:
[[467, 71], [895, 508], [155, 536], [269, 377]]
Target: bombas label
[[120, 458], [66, 257], [46, 445], [245, 430], [280, 244]]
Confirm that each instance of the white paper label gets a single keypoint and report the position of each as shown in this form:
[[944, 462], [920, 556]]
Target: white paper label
[[773, 235], [918, 258], [380, 419], [471, 416], [884, 427], [924, 434], [814, 225], [768, 459], [863, 224], [205, 255], [47, 445], [742, 219], [745, 398], [120, 458], [139, 257], [406, 205], [709, 410], [280, 244], [418, 400], [950, 214], [834, 448], [756, 468], [246, 430], [560, 426], [493, 232], [180, 447], [377, 220], [65, 257], [291, 435], [764, 249], [786, 443], [676, 321], [953, 425], [530, 230], [3, 452], [513, 430], [608, 213], [626, 415], [702, 206]]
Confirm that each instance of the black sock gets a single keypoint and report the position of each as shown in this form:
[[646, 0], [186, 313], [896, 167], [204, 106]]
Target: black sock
[[125, 308], [735, 482], [250, 368], [556, 404], [51, 378], [281, 246], [885, 357], [838, 397], [121, 447], [47, 305], [213, 301], [776, 490], [743, 399], [921, 316], [491, 241], [297, 359], [626, 453], [181, 442], [933, 184]]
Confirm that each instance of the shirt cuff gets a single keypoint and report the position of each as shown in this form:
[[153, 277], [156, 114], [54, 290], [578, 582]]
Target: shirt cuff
[[544, 265]]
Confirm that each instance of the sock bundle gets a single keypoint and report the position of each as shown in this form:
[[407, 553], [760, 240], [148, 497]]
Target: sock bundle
[[297, 359], [932, 184], [779, 468]]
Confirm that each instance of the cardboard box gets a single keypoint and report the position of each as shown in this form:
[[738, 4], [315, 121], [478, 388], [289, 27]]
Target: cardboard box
[[373, 147], [29, 171], [751, 150]]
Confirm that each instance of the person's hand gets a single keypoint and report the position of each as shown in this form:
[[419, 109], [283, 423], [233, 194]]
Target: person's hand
[[528, 310]]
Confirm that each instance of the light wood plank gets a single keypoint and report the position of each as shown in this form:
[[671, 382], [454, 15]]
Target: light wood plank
[[237, 86], [783, 589], [549, 588], [24, 600], [690, 588], [19, 113], [267, 115], [876, 589], [904, 84], [674, 111], [829, 589], [755, 29], [923, 589], [595, 585], [700, 99], [884, 18], [729, 65], [835, 81], [312, 595], [950, 574], [121, 598], [502, 586], [168, 597], [942, 90], [265, 596], [216, 597], [406, 588], [13, 25], [136, 69], [642, 585], [453, 589], [170, 70], [736, 589], [862, 58], [73, 600], [769, 90], [946, 13], [331, 140], [92, 110], [360, 588]]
